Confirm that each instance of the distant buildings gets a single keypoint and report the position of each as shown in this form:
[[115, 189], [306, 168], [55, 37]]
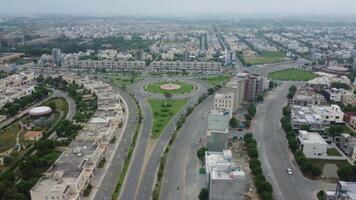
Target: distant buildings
[[16, 86], [312, 144], [107, 65], [186, 67], [226, 180], [57, 56]]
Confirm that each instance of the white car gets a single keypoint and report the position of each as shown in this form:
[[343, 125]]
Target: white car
[[289, 171]]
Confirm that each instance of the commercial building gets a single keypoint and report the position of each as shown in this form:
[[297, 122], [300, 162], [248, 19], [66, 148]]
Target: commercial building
[[224, 102], [226, 180], [312, 144], [193, 67], [75, 64], [237, 86], [217, 133]]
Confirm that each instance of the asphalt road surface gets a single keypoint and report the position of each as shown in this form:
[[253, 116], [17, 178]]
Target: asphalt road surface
[[274, 153], [107, 186], [181, 179], [139, 182]]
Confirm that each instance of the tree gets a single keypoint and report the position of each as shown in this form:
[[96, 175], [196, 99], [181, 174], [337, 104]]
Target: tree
[[211, 91], [52, 105], [204, 194], [168, 97], [347, 172], [201, 154], [234, 123], [251, 110], [260, 97], [315, 171], [8, 161]]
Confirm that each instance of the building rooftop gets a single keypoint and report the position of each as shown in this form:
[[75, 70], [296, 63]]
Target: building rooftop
[[306, 137], [218, 122]]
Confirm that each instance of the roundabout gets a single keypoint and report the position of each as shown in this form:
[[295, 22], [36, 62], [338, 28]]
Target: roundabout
[[175, 87]]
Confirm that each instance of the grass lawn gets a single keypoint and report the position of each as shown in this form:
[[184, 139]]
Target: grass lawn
[[292, 75], [61, 104], [333, 152], [155, 87], [345, 129], [8, 137], [163, 114], [120, 80], [215, 80], [265, 57]]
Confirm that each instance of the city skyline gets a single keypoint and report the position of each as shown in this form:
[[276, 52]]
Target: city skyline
[[179, 8]]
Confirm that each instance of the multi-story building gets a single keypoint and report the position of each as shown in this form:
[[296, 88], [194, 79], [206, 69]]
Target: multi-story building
[[16, 86], [57, 56], [307, 96], [237, 86], [193, 67], [314, 117], [226, 180], [224, 102], [346, 143], [344, 191], [312, 144], [68, 177], [254, 86], [217, 133], [107, 65], [348, 98]]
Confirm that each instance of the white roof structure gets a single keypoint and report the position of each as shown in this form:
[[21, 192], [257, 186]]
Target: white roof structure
[[306, 137], [40, 111]]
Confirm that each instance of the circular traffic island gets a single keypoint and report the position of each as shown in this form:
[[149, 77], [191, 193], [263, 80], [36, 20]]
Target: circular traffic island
[[173, 87]]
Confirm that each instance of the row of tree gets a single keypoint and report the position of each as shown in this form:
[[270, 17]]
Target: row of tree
[[305, 165], [264, 188]]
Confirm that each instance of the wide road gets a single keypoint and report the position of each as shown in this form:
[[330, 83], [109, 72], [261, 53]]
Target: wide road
[[139, 182], [274, 153], [181, 179], [107, 186]]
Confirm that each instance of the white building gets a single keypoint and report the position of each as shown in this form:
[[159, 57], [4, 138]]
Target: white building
[[312, 144], [226, 180], [224, 102], [68, 177]]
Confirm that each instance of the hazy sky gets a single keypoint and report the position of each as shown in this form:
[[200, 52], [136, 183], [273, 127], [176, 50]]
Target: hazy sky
[[178, 7]]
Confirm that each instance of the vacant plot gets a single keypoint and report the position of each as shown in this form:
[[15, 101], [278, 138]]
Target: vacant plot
[[8, 137], [265, 57], [156, 87], [121, 80], [329, 166], [292, 75], [163, 111], [215, 80]]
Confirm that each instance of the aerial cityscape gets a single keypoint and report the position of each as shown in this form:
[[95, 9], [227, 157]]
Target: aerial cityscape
[[179, 100]]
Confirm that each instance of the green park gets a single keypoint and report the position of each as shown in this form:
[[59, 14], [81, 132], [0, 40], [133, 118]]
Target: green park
[[173, 87], [292, 75], [163, 111], [265, 57]]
